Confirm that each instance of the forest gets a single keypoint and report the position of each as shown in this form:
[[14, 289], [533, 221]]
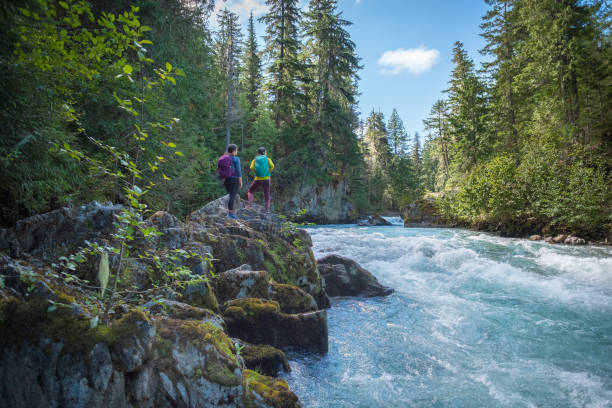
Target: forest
[[132, 102]]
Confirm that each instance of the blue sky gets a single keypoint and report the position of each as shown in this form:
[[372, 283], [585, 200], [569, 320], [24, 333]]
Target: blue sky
[[405, 46]]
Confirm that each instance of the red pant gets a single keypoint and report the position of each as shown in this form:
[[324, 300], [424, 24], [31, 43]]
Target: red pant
[[266, 188]]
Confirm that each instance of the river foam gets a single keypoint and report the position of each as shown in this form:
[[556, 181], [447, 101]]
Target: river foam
[[476, 321]]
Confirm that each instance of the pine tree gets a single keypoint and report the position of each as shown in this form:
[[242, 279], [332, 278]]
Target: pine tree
[[251, 79], [467, 109], [333, 76], [438, 123], [501, 30], [377, 158], [282, 49], [416, 155], [397, 133], [228, 47]]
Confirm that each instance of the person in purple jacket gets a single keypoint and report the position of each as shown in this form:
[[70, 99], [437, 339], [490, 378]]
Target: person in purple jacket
[[233, 183]]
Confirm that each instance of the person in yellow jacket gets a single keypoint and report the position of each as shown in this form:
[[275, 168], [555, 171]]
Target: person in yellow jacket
[[262, 166]]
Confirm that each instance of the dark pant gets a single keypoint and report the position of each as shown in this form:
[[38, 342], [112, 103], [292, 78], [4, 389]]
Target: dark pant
[[265, 184], [231, 185]]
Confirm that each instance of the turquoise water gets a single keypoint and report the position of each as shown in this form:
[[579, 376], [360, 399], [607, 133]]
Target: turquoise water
[[476, 321]]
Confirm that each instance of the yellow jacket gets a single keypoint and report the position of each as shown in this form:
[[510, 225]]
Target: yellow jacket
[[270, 164]]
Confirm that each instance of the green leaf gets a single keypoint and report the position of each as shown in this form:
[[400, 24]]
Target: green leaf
[[168, 67], [179, 154], [179, 72], [127, 69], [103, 272], [137, 189], [172, 80], [171, 144], [51, 308], [63, 4]]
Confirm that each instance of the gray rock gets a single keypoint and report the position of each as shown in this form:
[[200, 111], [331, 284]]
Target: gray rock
[[131, 352], [535, 238], [173, 231], [72, 372], [325, 204], [217, 207], [574, 241], [241, 282], [344, 277], [47, 236], [423, 213], [559, 239], [260, 321], [183, 311], [374, 221]]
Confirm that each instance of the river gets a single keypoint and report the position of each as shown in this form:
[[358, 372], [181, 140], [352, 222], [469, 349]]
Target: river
[[476, 320]]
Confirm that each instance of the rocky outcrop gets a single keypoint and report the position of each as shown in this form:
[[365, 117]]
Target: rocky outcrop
[[373, 221], [183, 292], [242, 282], [422, 213], [345, 277], [55, 358], [261, 321], [50, 235], [326, 204], [266, 243]]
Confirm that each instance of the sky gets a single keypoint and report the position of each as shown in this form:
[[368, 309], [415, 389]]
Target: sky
[[405, 47]]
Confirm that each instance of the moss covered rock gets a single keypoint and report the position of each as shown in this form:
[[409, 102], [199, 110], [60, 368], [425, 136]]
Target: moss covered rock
[[198, 292], [241, 282], [266, 242], [261, 391], [260, 321], [292, 299], [263, 358]]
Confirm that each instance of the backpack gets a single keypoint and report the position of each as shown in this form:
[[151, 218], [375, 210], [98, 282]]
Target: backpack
[[224, 167], [261, 166]]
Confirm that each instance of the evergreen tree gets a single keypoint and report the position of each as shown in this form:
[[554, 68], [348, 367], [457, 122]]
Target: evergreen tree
[[438, 123], [333, 76], [377, 159], [467, 110], [397, 134], [251, 79], [501, 30], [228, 46], [282, 49], [416, 155]]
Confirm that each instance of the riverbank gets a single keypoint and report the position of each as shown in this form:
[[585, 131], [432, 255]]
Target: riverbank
[[427, 213]]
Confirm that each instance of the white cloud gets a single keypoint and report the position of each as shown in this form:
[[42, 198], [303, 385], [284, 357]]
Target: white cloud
[[413, 60], [241, 7]]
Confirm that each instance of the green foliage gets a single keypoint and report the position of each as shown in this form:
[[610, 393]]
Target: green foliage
[[529, 152]]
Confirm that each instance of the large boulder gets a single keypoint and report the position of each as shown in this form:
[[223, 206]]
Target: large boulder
[[266, 242], [345, 277], [423, 213], [373, 221], [242, 282], [261, 321], [262, 358], [59, 232], [323, 204]]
